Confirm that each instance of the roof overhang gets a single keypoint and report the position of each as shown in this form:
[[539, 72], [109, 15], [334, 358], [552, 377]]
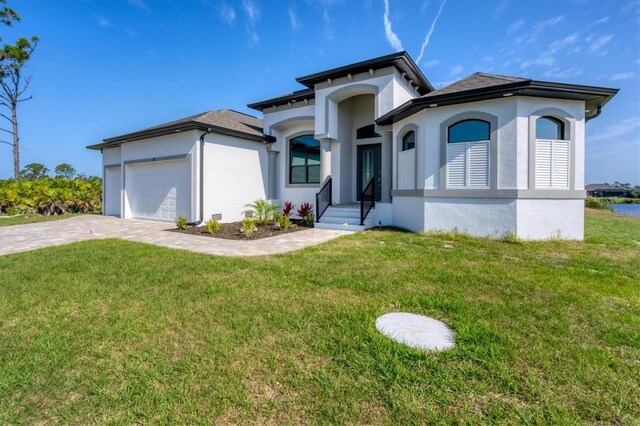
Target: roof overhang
[[595, 97], [298, 96], [401, 60], [177, 128]]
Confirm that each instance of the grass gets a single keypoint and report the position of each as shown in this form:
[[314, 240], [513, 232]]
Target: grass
[[119, 332], [32, 218]]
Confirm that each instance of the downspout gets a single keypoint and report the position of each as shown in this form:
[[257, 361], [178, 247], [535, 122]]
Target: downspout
[[201, 195]]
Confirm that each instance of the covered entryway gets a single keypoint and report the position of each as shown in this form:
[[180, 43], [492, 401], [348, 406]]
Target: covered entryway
[[159, 190], [112, 191]]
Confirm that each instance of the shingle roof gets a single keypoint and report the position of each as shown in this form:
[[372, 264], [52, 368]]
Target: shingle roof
[[224, 118], [222, 121], [478, 80]]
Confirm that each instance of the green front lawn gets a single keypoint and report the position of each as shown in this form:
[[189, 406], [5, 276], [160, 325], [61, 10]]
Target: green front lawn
[[32, 218], [119, 332]]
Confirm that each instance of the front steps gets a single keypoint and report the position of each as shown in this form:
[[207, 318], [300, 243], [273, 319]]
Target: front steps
[[345, 218]]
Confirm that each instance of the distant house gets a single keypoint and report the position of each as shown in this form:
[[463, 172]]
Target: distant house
[[605, 190], [373, 143]]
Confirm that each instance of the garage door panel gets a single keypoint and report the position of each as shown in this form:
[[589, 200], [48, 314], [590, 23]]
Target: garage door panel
[[112, 191], [159, 190]]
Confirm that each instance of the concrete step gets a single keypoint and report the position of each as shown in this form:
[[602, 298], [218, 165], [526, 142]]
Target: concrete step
[[340, 227], [340, 213], [341, 220]]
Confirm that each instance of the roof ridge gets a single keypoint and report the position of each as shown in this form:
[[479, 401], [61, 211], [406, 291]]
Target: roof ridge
[[496, 76]]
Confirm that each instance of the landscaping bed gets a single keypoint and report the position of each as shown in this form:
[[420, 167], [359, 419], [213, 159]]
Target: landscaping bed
[[233, 231]]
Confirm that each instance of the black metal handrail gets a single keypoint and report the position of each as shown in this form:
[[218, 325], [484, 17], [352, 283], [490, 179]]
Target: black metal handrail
[[370, 191], [323, 198]]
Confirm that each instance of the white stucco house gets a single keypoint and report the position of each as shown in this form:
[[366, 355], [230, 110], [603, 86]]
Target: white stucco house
[[373, 143]]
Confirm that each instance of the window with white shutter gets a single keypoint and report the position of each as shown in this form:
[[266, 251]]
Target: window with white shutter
[[552, 154], [468, 154]]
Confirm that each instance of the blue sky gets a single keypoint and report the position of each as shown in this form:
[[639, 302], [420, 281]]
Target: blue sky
[[105, 68]]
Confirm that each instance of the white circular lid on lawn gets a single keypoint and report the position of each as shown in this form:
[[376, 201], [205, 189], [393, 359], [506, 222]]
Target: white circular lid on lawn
[[416, 331]]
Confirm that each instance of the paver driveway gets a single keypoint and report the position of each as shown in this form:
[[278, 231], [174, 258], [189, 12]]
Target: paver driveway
[[19, 238]]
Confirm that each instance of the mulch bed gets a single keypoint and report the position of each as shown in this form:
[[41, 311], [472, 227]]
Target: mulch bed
[[233, 231]]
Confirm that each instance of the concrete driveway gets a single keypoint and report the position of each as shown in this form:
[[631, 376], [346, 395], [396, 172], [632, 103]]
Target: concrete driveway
[[18, 238]]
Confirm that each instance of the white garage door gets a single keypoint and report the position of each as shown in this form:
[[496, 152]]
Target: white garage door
[[112, 191], [159, 190]]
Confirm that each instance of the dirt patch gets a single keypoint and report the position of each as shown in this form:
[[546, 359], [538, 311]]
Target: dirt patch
[[233, 231]]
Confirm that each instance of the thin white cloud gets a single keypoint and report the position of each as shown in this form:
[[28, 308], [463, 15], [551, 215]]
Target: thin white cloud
[[599, 21], [433, 26], [515, 26], [502, 6], [542, 25], [456, 70], [543, 60], [293, 18], [622, 76], [328, 29], [562, 72], [251, 10], [103, 22], [254, 38], [140, 4], [565, 42], [614, 131], [432, 63], [392, 38], [227, 13], [599, 42]]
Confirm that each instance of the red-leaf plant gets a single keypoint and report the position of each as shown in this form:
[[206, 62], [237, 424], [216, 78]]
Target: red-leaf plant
[[304, 210], [288, 206]]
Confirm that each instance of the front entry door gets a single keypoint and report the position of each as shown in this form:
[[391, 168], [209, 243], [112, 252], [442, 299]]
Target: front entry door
[[370, 166]]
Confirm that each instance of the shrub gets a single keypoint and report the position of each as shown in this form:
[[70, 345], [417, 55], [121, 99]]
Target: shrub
[[597, 203], [181, 223], [213, 226], [309, 219], [263, 211], [304, 210], [248, 227], [288, 206], [51, 196], [284, 222]]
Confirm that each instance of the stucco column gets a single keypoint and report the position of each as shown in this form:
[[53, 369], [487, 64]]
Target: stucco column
[[272, 191], [325, 159], [387, 165]]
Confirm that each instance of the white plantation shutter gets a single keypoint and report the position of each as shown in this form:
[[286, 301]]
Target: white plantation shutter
[[560, 164], [407, 169], [543, 164], [456, 164], [478, 153], [552, 164]]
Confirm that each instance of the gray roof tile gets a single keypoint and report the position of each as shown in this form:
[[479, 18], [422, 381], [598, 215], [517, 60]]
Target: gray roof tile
[[478, 80]]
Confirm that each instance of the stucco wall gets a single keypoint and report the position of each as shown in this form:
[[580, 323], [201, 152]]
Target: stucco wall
[[110, 156], [408, 213], [544, 219], [476, 216], [235, 174]]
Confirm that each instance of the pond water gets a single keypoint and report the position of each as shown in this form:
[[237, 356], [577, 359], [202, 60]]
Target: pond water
[[628, 209]]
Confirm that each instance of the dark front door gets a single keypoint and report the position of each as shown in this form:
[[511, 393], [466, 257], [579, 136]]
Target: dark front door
[[370, 166]]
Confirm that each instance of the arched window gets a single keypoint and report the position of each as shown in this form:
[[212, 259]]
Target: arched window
[[304, 159], [552, 154], [409, 140], [468, 154], [549, 128], [469, 131]]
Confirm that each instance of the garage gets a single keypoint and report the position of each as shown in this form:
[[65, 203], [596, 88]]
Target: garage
[[159, 190], [112, 191]]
